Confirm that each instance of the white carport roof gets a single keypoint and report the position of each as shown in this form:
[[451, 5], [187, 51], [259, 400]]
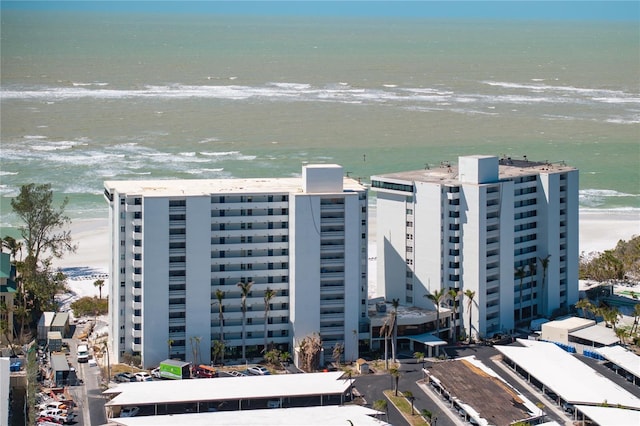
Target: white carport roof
[[597, 333], [622, 357], [427, 339], [308, 416], [228, 388], [573, 380], [610, 416]]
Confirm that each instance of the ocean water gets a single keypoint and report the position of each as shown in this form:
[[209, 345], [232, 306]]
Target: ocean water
[[93, 96]]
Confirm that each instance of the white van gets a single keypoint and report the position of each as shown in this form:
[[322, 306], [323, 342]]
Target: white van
[[83, 353]]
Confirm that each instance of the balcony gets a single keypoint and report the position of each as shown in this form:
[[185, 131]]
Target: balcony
[[136, 347], [136, 319], [136, 333], [136, 249], [177, 307], [136, 277], [136, 291], [136, 305], [136, 263], [133, 208], [136, 235]]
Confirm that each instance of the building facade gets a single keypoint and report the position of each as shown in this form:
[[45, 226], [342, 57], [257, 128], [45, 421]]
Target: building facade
[[180, 247], [504, 229], [8, 289]]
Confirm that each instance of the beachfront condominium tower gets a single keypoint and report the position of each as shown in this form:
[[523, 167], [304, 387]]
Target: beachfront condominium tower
[[505, 229], [242, 261]]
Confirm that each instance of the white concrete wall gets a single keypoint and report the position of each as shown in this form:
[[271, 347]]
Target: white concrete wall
[[549, 224], [428, 245], [352, 274], [155, 282], [507, 283], [391, 245], [198, 267], [304, 248], [573, 232], [317, 178]]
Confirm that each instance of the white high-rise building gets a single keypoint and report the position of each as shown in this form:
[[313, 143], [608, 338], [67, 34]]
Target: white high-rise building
[[176, 243], [504, 229]]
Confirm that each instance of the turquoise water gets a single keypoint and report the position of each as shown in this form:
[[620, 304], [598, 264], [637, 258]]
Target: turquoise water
[[88, 97]]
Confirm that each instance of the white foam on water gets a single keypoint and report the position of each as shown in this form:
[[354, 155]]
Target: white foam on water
[[220, 154], [6, 173]]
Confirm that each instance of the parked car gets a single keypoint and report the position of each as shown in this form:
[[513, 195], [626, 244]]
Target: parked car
[[124, 377], [236, 373], [129, 411], [258, 370], [273, 403], [143, 376], [47, 420], [58, 415], [92, 363], [204, 371], [156, 372]]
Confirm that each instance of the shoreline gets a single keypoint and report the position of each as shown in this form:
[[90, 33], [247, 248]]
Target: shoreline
[[599, 231]]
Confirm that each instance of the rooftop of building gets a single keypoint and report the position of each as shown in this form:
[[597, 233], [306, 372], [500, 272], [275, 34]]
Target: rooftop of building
[[310, 416], [446, 172], [472, 384], [379, 310], [204, 187]]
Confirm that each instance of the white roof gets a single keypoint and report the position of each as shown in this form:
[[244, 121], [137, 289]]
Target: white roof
[[573, 380], [622, 357], [570, 324], [308, 416], [610, 416], [427, 339], [228, 388], [205, 187], [596, 333]]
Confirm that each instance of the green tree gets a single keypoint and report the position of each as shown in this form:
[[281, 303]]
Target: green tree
[[385, 331], [394, 327], [520, 274], [220, 297], [410, 398], [470, 294], [245, 289], [395, 373], [453, 295], [586, 306], [381, 406], [268, 295], [437, 297], [12, 246], [99, 284], [41, 231], [338, 349], [544, 262], [217, 351]]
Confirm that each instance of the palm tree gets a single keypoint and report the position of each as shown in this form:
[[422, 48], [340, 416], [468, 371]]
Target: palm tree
[[384, 332], [395, 373], [532, 278], [220, 297], [411, 398], [99, 284], [470, 295], [544, 262], [437, 297], [453, 295], [268, 295], [586, 306], [12, 245], [520, 274], [245, 289], [170, 343], [381, 405], [394, 327], [105, 348]]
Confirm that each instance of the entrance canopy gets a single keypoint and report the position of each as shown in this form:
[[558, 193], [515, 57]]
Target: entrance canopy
[[427, 339]]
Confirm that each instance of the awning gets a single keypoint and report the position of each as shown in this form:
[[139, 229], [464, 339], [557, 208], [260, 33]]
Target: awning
[[427, 339]]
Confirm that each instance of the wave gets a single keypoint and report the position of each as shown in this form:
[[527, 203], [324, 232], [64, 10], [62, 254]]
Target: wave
[[534, 93], [603, 198], [6, 173], [219, 154]]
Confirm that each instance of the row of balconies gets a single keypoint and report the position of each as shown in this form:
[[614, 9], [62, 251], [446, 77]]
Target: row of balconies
[[255, 205]]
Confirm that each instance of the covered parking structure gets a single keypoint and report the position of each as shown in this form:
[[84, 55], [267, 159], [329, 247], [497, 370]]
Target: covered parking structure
[[623, 358], [429, 341], [564, 378], [609, 415], [308, 416], [229, 393], [594, 336]]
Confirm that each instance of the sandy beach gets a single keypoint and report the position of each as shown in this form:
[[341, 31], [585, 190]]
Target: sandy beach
[[599, 231]]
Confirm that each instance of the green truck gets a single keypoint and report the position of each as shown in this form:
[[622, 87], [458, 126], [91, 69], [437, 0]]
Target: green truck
[[172, 369]]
